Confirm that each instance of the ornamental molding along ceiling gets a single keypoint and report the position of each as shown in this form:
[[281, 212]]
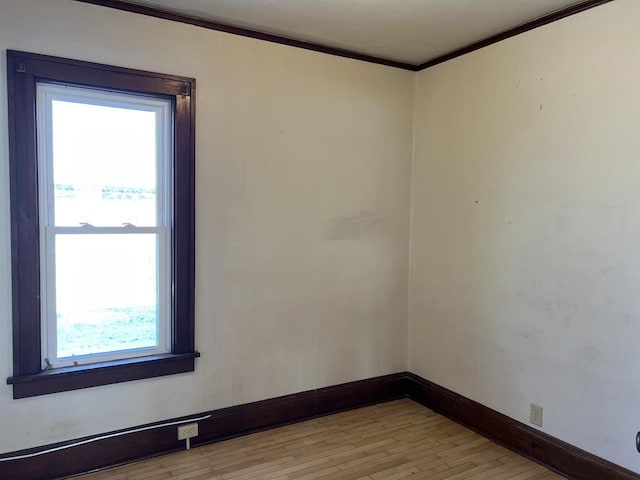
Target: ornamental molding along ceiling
[[408, 34]]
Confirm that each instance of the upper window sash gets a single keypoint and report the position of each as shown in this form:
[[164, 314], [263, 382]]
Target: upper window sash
[[89, 138]]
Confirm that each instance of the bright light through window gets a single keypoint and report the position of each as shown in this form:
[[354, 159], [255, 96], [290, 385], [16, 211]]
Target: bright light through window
[[105, 224], [106, 302], [104, 165]]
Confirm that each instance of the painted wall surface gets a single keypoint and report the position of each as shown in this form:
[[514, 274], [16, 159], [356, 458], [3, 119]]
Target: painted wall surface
[[303, 164], [525, 282]]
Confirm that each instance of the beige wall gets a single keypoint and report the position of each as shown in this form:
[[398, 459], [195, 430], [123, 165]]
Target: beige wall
[[525, 282], [302, 217], [525, 220]]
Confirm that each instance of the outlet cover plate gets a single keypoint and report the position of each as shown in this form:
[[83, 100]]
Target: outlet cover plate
[[536, 415], [189, 430]]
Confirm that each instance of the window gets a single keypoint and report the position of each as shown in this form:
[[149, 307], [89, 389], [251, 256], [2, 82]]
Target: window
[[104, 183], [102, 208]]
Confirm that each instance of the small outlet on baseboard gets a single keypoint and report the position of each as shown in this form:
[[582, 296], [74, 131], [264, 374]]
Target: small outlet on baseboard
[[536, 414], [189, 430]]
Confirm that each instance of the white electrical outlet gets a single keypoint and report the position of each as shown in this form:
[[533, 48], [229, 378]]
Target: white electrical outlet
[[536, 414], [189, 430]]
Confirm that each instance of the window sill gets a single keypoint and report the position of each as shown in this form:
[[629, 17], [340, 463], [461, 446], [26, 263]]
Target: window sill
[[95, 374]]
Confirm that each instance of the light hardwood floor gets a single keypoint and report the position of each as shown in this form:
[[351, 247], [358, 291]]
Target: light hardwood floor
[[395, 440]]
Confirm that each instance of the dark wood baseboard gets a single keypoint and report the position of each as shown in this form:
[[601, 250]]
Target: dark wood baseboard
[[555, 454], [223, 424], [123, 447]]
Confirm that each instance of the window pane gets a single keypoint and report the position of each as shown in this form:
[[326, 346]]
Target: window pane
[[106, 293], [104, 165]]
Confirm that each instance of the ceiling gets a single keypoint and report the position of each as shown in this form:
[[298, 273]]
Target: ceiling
[[408, 31]]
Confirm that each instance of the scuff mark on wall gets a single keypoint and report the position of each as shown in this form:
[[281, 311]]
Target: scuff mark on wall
[[365, 225]]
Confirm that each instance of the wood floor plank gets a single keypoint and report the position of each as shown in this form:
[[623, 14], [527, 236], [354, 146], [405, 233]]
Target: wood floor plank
[[392, 441]]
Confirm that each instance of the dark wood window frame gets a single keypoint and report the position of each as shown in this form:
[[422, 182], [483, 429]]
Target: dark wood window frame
[[24, 71]]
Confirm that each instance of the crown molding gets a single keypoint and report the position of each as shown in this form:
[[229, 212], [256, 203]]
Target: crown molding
[[525, 27], [245, 32], [316, 47]]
